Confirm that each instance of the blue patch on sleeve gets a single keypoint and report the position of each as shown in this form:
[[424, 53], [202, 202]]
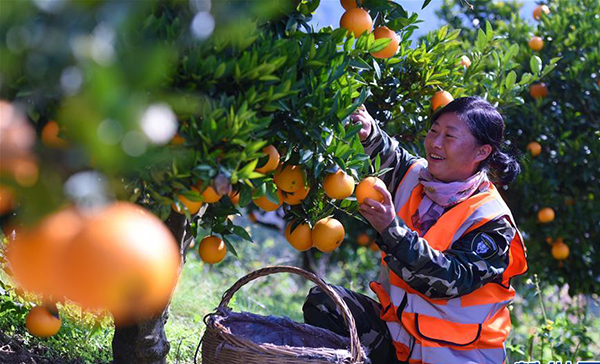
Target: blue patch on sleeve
[[484, 246]]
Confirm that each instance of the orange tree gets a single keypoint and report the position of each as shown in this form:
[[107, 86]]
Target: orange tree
[[556, 126], [119, 88]]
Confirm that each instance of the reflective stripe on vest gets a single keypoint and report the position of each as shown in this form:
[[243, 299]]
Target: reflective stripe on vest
[[467, 329]]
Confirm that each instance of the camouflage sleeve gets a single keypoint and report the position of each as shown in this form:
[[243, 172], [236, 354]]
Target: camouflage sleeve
[[391, 155], [475, 259]]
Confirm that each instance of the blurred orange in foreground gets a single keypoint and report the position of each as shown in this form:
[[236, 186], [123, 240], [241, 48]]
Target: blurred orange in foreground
[[124, 260], [36, 254], [50, 136]]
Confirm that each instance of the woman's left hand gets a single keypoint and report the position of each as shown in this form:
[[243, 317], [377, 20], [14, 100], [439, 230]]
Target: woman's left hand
[[380, 215]]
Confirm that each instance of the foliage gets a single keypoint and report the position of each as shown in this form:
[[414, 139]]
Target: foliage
[[566, 124]]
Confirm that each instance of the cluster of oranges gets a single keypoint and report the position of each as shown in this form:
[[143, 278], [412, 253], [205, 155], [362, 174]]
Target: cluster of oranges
[[119, 258], [560, 251], [358, 21], [539, 90]]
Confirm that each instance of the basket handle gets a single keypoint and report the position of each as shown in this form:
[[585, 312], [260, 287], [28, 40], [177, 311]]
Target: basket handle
[[356, 350]]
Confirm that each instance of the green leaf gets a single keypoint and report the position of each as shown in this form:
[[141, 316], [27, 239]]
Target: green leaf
[[241, 232], [230, 246], [511, 78], [536, 65], [377, 162], [482, 41], [360, 64], [219, 71], [425, 3], [379, 45], [489, 30]]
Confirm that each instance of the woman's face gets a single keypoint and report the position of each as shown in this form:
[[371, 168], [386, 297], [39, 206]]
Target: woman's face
[[453, 153]]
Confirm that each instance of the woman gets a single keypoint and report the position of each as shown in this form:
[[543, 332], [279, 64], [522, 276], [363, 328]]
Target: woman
[[450, 245]]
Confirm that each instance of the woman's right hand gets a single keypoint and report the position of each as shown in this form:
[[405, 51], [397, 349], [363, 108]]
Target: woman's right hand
[[361, 115]]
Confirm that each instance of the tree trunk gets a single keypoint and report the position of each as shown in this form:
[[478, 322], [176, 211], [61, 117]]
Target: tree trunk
[[146, 342]]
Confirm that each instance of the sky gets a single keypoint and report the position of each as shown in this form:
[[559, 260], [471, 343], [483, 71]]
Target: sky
[[329, 12]]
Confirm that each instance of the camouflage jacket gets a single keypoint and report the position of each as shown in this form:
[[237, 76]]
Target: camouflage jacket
[[475, 259]]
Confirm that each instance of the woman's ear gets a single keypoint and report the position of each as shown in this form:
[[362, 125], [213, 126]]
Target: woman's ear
[[483, 152]]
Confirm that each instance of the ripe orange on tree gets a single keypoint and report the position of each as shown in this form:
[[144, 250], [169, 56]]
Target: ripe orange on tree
[[300, 238], [272, 161], [546, 215], [537, 12], [560, 251], [210, 195], [363, 239], [534, 148], [212, 249], [234, 196], [289, 178], [41, 322], [264, 203], [338, 185], [536, 43], [7, 199], [365, 189], [349, 4], [36, 255], [465, 61], [50, 136], [357, 21], [327, 234], [295, 198], [391, 49], [441, 99], [124, 260], [538, 90], [192, 206], [177, 140], [374, 247]]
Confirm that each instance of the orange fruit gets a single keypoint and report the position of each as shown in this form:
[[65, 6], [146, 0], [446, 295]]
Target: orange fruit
[[26, 171], [357, 21], [300, 238], [36, 255], [374, 247], [560, 251], [363, 239], [252, 217], [177, 140], [124, 260], [7, 199], [272, 162], [289, 178], [295, 198], [50, 136], [441, 99], [537, 13], [538, 90], [212, 249], [465, 61], [536, 44], [192, 206], [234, 196], [264, 203], [392, 48], [210, 195], [349, 4], [327, 234], [365, 189], [338, 185], [546, 215], [41, 322], [534, 148], [549, 240]]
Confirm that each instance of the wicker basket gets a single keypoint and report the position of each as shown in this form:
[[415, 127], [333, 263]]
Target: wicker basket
[[221, 346]]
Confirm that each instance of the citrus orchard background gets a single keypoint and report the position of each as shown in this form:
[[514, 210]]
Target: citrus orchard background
[[206, 110]]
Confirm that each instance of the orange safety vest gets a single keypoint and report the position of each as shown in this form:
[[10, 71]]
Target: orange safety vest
[[467, 329]]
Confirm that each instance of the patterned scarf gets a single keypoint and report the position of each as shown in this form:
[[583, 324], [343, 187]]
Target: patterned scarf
[[441, 195]]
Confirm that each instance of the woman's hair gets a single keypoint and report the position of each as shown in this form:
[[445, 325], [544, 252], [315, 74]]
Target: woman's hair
[[487, 126]]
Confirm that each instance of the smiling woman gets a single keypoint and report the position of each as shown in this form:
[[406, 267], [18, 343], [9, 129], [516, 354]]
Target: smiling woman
[[449, 243]]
